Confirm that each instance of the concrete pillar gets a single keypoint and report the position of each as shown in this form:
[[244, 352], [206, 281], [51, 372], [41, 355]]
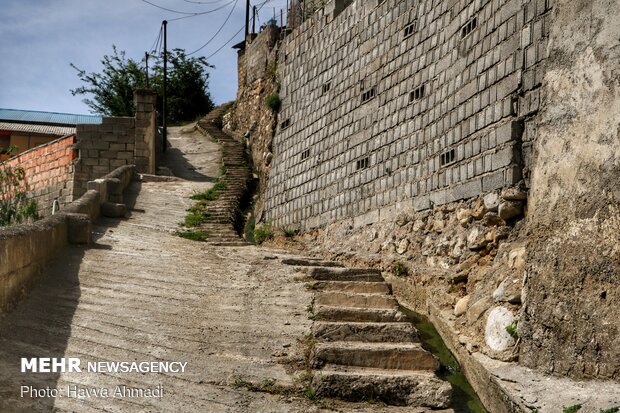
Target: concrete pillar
[[146, 129]]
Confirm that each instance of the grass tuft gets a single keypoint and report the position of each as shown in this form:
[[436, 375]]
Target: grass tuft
[[193, 235], [512, 330], [399, 269], [571, 409], [262, 233]]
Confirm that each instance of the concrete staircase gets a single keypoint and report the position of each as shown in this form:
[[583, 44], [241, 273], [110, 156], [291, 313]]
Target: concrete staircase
[[223, 211], [365, 349]]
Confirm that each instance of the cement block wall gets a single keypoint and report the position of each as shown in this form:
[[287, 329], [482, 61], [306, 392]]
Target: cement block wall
[[394, 104]]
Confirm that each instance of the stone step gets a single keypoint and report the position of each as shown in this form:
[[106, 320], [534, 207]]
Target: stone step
[[353, 287], [367, 332], [345, 274], [400, 388], [333, 313], [399, 356], [357, 300], [311, 262]]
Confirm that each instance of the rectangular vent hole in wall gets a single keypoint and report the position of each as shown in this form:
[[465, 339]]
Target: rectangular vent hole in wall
[[285, 124], [326, 87], [362, 163], [469, 27], [447, 157], [369, 94], [305, 154], [409, 29], [417, 94]]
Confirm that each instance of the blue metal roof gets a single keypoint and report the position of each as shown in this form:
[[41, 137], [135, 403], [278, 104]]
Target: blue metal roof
[[47, 118]]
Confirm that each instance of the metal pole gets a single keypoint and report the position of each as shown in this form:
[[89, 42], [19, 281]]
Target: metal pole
[[254, 19], [247, 19], [146, 59], [165, 97]]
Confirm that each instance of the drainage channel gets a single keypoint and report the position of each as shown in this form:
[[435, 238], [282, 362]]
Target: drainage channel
[[464, 398]]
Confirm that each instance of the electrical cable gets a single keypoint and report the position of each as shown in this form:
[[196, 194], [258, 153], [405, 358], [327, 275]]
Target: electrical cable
[[235, 35], [217, 32], [157, 40], [187, 14], [202, 2]]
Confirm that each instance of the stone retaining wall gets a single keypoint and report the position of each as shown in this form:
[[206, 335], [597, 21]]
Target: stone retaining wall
[[26, 249]]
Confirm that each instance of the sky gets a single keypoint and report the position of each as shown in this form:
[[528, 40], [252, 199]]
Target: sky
[[40, 38]]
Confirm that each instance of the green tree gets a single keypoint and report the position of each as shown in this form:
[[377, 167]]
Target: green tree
[[112, 88]]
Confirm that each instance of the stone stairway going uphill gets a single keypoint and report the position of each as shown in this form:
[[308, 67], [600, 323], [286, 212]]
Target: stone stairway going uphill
[[223, 212], [365, 349]]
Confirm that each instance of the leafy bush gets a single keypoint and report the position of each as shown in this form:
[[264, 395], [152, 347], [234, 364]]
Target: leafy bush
[[273, 101], [15, 207], [262, 233]]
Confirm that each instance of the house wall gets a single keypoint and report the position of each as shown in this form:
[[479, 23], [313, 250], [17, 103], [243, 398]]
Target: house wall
[[48, 171]]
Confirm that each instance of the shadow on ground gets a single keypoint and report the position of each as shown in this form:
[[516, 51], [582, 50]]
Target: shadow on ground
[[39, 326]]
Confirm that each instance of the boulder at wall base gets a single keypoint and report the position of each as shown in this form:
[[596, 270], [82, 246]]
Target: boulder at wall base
[[461, 306], [479, 209], [514, 194], [495, 334], [491, 201], [510, 209], [476, 239]]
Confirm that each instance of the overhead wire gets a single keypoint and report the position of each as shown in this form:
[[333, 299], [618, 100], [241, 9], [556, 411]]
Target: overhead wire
[[235, 35], [202, 2], [217, 32], [187, 14]]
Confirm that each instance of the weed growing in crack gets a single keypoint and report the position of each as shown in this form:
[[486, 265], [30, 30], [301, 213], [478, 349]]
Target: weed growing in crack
[[263, 233], [512, 330], [399, 269], [193, 235], [289, 232], [212, 194]]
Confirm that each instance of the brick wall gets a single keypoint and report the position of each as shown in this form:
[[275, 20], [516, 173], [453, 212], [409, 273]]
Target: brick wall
[[48, 172], [393, 104], [61, 169]]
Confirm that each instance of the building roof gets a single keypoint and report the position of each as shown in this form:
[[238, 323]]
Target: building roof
[[36, 128], [46, 118]]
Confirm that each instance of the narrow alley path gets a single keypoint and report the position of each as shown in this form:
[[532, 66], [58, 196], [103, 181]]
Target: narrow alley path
[[236, 315], [141, 293]]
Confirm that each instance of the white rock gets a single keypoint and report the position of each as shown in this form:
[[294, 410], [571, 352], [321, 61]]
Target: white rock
[[495, 334], [461, 306], [510, 209], [491, 201], [403, 246], [476, 238]]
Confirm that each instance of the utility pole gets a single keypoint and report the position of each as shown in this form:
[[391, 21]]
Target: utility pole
[[165, 97], [247, 19], [146, 59], [253, 19]]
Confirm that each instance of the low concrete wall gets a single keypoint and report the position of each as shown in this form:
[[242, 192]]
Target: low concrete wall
[[26, 250]]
